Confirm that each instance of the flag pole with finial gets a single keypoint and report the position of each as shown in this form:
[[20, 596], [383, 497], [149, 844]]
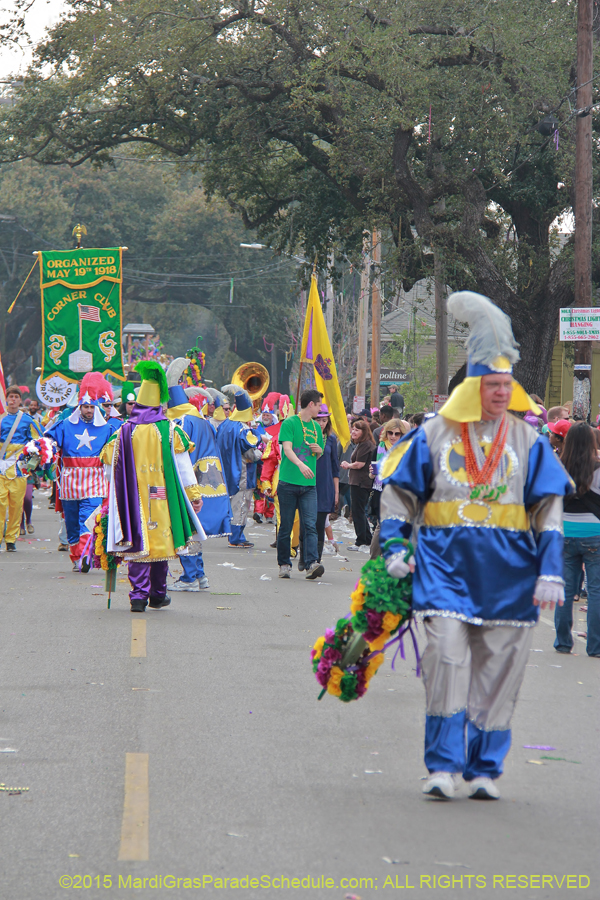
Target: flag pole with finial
[[314, 275]]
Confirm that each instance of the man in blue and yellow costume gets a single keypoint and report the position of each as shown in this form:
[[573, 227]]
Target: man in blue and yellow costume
[[481, 493], [16, 430], [237, 442], [153, 497], [215, 515]]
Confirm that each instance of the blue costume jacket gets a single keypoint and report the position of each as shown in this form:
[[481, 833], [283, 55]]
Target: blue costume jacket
[[27, 430], [234, 439], [476, 560], [215, 515], [82, 473]]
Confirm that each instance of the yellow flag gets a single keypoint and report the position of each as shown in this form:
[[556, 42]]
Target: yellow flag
[[316, 349]]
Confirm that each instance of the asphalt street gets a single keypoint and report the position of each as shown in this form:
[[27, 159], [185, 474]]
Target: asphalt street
[[188, 743]]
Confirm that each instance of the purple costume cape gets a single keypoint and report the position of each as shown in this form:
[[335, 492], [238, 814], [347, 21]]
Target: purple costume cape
[[126, 489]]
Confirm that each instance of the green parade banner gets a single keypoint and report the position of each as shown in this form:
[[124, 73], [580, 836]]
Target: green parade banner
[[81, 313]]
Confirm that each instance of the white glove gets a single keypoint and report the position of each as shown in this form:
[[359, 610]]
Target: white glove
[[397, 568], [548, 593]]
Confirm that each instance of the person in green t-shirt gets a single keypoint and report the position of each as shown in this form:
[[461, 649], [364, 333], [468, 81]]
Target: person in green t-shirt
[[301, 441]]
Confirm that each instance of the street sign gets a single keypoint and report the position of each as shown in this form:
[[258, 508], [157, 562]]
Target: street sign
[[358, 404], [579, 324], [438, 401], [392, 376]]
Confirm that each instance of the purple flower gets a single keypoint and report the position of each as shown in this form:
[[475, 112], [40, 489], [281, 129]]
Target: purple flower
[[329, 635], [331, 654], [374, 619], [322, 673]]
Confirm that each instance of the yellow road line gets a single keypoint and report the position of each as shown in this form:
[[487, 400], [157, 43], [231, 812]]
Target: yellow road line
[[134, 828], [138, 637]]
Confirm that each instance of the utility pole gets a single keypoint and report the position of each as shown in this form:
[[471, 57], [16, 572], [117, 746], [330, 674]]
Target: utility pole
[[363, 324], [583, 205], [441, 325], [274, 379], [376, 320], [329, 298]]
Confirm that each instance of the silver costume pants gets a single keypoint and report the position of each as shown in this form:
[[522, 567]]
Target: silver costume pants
[[241, 502], [472, 676], [477, 668]]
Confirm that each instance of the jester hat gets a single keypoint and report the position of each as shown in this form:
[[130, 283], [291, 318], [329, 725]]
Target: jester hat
[[491, 349]]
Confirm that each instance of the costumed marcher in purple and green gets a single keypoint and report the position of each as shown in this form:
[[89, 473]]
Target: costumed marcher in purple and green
[[80, 438], [215, 515], [153, 500], [237, 443], [483, 493]]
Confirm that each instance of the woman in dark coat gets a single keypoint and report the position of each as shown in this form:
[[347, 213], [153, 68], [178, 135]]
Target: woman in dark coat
[[328, 477], [360, 480]]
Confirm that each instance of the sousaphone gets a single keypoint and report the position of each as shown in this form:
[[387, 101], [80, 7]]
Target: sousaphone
[[254, 379]]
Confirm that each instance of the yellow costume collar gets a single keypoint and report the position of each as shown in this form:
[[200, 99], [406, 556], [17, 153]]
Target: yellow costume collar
[[464, 403], [242, 415], [184, 409]]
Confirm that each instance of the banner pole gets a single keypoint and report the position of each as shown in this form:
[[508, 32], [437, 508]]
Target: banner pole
[[12, 305], [298, 388]]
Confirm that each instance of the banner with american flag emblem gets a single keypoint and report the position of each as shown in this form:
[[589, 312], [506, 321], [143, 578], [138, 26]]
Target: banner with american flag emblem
[[81, 313]]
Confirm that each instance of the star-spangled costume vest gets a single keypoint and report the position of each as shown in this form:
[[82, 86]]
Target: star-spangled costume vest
[[81, 442]]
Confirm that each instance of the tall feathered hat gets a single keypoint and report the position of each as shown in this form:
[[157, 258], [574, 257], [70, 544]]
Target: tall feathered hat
[[271, 401], [218, 399], [94, 389], [177, 394], [244, 411], [154, 390], [491, 348], [217, 395], [286, 407], [230, 391]]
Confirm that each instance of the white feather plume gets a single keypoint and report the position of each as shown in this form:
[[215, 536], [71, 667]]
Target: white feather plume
[[230, 390], [194, 391], [176, 370], [214, 393], [490, 329]]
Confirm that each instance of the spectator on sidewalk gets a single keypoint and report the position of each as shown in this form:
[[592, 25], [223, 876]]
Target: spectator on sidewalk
[[396, 400], [360, 481], [391, 432], [582, 537]]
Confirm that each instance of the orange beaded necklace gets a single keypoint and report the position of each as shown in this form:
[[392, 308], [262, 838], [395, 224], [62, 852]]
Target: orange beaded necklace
[[483, 476]]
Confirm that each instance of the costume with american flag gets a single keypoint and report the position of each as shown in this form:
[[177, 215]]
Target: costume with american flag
[[82, 484], [153, 491]]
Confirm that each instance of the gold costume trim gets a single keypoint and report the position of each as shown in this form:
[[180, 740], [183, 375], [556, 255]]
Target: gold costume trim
[[477, 514]]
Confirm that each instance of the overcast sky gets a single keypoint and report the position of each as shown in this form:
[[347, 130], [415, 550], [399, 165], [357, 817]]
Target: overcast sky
[[41, 14]]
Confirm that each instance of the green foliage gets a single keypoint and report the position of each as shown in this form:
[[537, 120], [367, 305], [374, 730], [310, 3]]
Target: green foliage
[[314, 121], [407, 351], [182, 252]]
